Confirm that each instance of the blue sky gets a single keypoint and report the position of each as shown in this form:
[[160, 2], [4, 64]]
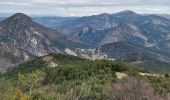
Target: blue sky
[[83, 7]]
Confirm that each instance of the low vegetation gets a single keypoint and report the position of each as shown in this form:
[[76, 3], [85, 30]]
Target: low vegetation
[[80, 79]]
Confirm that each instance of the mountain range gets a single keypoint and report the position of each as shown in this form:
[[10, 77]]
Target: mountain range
[[124, 36], [124, 26]]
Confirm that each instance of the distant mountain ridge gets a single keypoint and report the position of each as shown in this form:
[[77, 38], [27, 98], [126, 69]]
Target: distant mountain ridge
[[134, 25], [124, 36], [167, 16]]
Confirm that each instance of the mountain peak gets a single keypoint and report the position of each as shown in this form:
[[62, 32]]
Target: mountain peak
[[21, 16], [18, 18], [104, 14], [127, 12]]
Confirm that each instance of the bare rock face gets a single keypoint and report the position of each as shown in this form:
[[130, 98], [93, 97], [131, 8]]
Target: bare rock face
[[10, 56], [22, 39], [19, 30]]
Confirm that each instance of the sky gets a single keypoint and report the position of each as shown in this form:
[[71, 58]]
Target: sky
[[83, 7]]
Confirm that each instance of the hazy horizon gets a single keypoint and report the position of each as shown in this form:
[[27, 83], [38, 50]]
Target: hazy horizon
[[45, 15], [83, 8]]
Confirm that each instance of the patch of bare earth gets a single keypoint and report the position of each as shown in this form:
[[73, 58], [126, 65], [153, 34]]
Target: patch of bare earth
[[121, 75]]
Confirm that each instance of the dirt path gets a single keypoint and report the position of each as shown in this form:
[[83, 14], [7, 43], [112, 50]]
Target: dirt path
[[122, 75], [149, 74]]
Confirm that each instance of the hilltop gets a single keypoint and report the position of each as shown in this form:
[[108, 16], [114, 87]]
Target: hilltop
[[65, 77]]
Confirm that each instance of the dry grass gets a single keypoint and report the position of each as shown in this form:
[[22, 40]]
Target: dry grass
[[131, 88]]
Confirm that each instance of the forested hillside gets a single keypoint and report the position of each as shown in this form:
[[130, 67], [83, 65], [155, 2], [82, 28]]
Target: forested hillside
[[65, 77]]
